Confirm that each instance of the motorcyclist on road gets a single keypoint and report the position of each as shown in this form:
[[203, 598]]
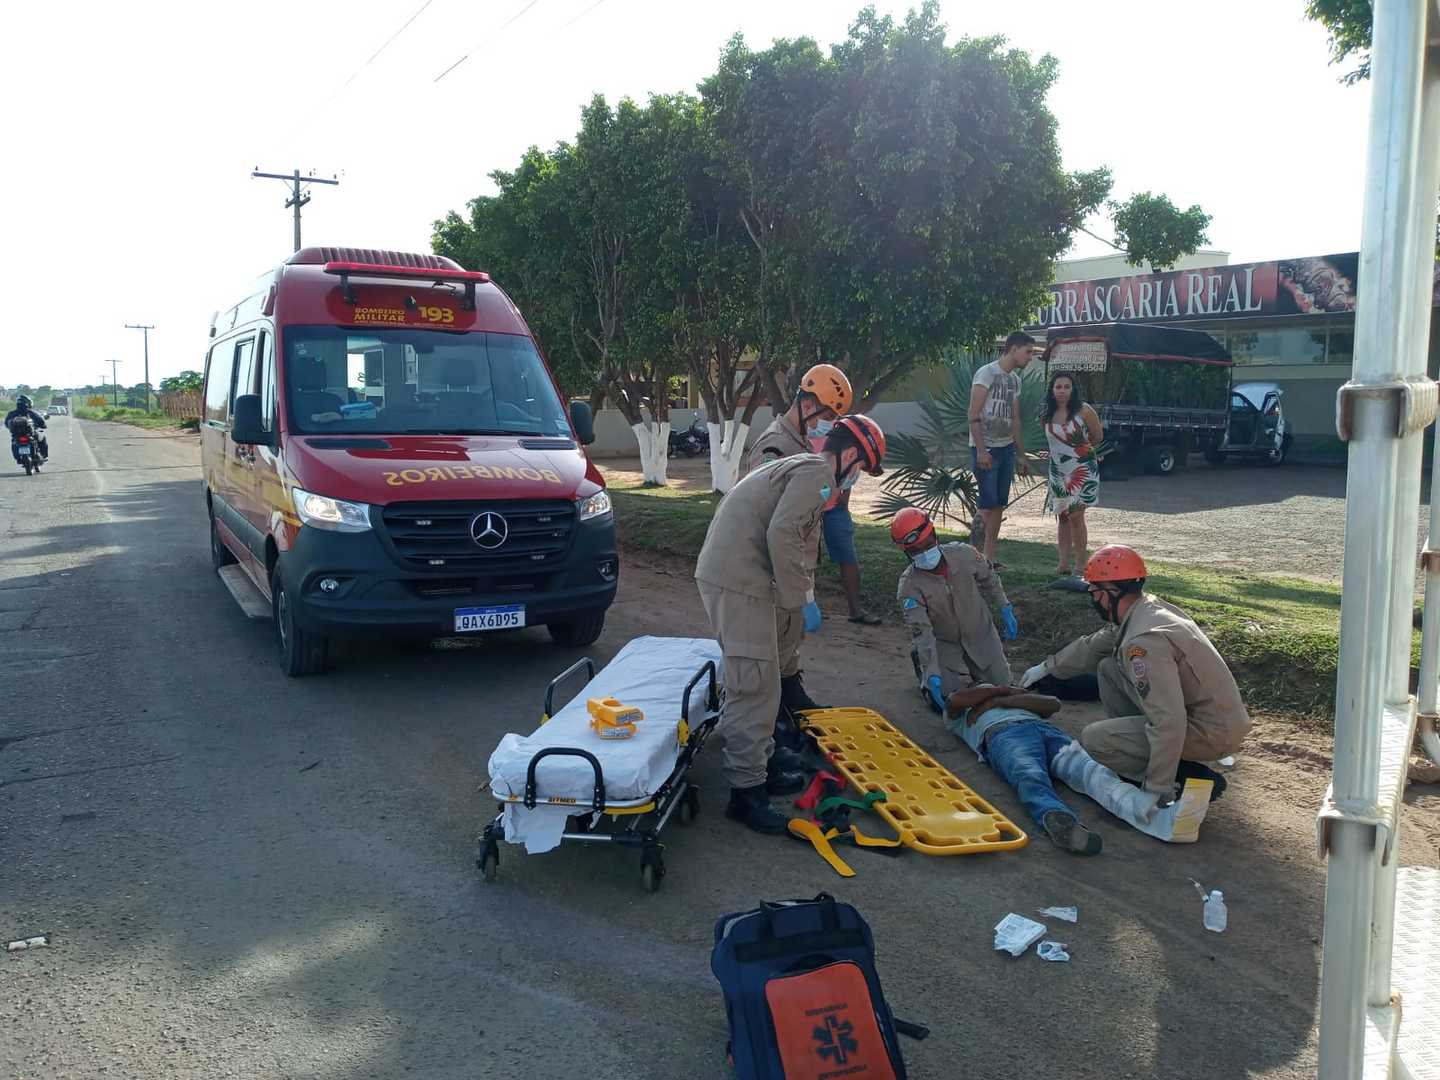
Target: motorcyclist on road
[[22, 408]]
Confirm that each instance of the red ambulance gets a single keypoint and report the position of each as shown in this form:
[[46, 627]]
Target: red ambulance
[[385, 451]]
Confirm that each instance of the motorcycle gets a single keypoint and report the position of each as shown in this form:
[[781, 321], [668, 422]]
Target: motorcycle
[[692, 442], [26, 444]]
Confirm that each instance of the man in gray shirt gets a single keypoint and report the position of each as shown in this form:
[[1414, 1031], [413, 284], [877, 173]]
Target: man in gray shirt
[[997, 441]]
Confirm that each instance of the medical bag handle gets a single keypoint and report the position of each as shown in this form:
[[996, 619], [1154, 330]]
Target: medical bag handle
[[565, 751], [712, 695], [584, 662]]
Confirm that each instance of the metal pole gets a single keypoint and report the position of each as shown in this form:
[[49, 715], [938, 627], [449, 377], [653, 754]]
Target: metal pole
[[1385, 352], [146, 329], [297, 198], [114, 383], [295, 201]]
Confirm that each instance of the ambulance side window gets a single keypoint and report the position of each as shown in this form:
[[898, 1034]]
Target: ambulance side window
[[244, 370], [267, 381], [217, 382]]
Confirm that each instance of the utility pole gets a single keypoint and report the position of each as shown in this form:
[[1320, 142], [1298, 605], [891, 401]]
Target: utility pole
[[297, 198], [146, 329], [114, 383]]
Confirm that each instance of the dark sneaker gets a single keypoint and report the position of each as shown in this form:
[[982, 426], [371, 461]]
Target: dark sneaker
[[751, 808], [793, 695], [780, 782], [1194, 770], [1069, 835]]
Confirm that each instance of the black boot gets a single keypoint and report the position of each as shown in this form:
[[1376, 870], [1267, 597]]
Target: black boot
[[752, 808], [793, 695], [1194, 770], [780, 781], [784, 759]]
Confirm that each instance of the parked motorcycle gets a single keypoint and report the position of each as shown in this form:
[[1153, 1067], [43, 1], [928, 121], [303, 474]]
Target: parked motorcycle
[[25, 444], [692, 442]]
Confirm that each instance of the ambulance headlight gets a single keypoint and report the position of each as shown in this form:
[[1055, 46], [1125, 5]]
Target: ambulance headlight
[[337, 515], [597, 505]]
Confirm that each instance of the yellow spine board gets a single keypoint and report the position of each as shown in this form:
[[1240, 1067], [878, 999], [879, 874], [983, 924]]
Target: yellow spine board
[[932, 809]]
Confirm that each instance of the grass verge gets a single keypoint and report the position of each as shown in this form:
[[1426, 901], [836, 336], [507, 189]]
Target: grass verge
[[1279, 635], [135, 418]]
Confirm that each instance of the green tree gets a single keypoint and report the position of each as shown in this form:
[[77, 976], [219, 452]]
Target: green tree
[[902, 194], [185, 381], [1349, 23], [1153, 231]]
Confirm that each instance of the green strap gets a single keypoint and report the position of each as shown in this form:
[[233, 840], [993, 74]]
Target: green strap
[[834, 802]]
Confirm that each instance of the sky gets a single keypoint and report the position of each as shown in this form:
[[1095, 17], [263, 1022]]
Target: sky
[[132, 129]]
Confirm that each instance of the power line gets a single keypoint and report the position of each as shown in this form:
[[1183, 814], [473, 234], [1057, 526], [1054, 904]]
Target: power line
[[582, 14], [388, 42], [504, 26]]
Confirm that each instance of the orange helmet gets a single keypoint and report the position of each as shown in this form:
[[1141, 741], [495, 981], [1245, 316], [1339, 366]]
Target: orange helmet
[[912, 529], [830, 387], [1116, 562], [869, 437]]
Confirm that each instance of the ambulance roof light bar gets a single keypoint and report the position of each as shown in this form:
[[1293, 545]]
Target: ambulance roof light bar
[[348, 270]]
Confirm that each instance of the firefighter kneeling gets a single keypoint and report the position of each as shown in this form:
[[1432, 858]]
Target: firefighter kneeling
[[758, 560], [1170, 701]]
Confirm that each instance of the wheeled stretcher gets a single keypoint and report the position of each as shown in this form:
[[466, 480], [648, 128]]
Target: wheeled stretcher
[[564, 781]]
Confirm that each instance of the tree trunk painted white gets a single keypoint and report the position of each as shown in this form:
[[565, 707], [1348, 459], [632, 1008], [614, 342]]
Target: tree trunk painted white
[[654, 440], [727, 447]]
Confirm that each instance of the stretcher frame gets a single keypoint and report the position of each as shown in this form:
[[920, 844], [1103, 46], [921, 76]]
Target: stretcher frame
[[634, 822]]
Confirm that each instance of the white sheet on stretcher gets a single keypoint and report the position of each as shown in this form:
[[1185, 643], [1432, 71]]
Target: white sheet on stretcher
[[650, 674]]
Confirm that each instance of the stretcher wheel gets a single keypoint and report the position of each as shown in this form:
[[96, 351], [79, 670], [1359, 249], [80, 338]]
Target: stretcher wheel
[[689, 808], [652, 871], [489, 862]]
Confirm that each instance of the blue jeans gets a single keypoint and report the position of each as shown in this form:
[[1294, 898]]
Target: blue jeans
[[1022, 754], [994, 482], [839, 529]]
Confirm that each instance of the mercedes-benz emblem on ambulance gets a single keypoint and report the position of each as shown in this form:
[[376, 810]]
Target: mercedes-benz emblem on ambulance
[[489, 531]]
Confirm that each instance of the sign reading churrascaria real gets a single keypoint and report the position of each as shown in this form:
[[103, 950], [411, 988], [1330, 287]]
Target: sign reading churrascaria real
[[1320, 285]]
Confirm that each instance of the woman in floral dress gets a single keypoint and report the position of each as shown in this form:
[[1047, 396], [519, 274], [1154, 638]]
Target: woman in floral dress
[[1074, 433]]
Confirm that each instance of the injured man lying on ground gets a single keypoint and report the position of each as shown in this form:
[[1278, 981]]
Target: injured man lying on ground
[[1006, 727]]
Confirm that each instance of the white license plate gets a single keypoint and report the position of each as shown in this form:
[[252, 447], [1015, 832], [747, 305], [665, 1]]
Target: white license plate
[[24, 449], [508, 617]]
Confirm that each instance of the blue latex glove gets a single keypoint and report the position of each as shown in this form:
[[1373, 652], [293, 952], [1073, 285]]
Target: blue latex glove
[[811, 614], [935, 695], [1008, 623]]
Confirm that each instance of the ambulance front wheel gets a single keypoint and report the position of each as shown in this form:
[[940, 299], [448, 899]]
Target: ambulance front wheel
[[299, 651], [584, 630]]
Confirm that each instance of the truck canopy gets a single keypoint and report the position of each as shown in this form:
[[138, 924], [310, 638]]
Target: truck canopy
[[1133, 341], [1121, 365]]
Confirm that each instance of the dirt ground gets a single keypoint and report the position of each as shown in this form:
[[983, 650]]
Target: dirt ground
[[1288, 520]]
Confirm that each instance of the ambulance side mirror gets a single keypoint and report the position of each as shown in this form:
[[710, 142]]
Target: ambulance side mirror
[[246, 428], [584, 421]]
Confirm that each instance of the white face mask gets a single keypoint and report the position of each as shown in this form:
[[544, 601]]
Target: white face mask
[[928, 559], [822, 428], [849, 481]]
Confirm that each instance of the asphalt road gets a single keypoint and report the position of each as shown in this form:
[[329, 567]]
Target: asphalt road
[[251, 876]]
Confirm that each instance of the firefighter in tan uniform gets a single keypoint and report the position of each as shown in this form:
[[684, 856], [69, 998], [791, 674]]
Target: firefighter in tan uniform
[[823, 398], [945, 597], [1171, 701], [753, 564]]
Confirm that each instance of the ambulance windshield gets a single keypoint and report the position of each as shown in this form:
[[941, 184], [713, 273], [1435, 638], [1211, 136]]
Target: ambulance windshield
[[351, 380]]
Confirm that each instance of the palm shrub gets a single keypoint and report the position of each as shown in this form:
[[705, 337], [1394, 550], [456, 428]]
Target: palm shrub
[[930, 468]]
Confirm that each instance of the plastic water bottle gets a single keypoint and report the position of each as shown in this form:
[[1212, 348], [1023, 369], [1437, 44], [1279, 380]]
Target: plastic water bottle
[[1216, 917]]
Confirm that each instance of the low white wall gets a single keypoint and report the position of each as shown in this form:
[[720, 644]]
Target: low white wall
[[613, 437]]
